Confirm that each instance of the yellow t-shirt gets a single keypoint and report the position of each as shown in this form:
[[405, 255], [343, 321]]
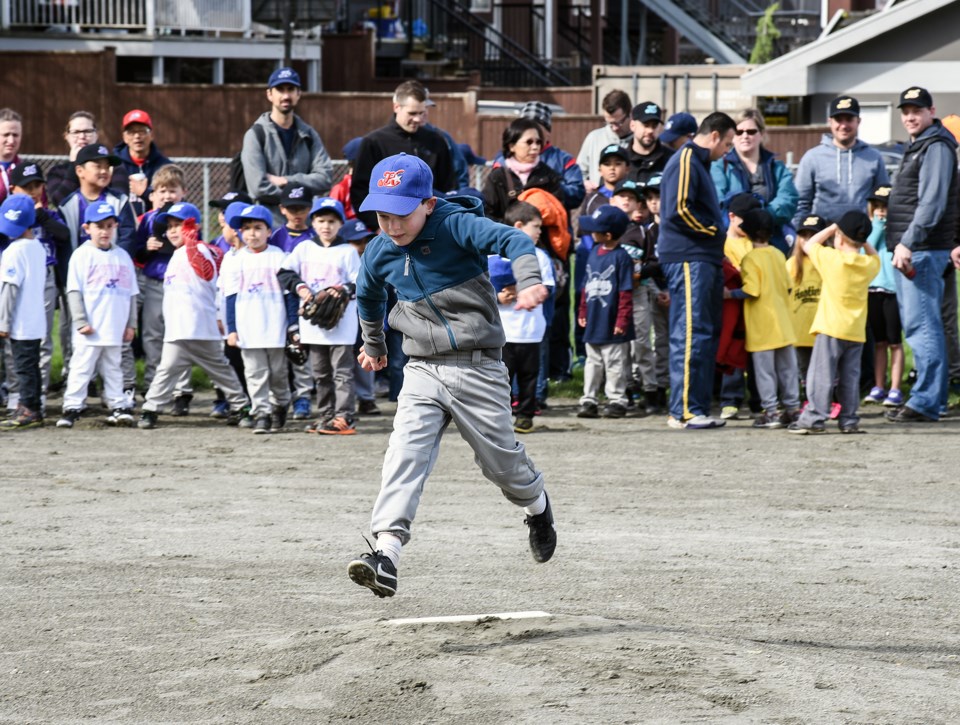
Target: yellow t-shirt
[[767, 311], [735, 248], [842, 312], [803, 300]]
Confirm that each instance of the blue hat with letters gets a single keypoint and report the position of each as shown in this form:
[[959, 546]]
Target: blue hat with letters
[[678, 126], [17, 215], [355, 230], [182, 210], [398, 184], [98, 212], [606, 219], [250, 212], [501, 272], [328, 204], [284, 75]]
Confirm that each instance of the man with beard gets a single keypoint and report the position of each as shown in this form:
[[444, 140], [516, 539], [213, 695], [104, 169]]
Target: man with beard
[[281, 148], [647, 156]]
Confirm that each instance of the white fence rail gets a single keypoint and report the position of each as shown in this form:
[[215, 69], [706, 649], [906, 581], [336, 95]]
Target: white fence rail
[[150, 16]]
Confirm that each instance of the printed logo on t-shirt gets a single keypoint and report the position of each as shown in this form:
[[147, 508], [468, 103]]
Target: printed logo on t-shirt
[[391, 179], [599, 285]]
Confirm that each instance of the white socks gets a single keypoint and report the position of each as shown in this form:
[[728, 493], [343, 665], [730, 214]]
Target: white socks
[[536, 508], [390, 545]]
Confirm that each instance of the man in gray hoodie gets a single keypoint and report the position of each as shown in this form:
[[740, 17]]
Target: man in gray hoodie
[[838, 175]]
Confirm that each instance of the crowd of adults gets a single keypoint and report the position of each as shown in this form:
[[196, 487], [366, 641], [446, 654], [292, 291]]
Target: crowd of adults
[[702, 165]]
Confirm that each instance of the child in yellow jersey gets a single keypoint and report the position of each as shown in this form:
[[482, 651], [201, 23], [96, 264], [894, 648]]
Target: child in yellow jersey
[[769, 327], [841, 321], [737, 243], [805, 286]]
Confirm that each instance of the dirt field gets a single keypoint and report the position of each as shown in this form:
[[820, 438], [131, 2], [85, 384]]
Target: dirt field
[[198, 574]]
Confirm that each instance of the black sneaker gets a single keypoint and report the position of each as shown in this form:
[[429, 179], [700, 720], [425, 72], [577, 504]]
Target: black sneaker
[[236, 416], [120, 417], [852, 429], [816, 428], [279, 416], [588, 410], [543, 534], [181, 405], [768, 421], [614, 410], [148, 420], [368, 407], [376, 572], [68, 418], [906, 414], [262, 425]]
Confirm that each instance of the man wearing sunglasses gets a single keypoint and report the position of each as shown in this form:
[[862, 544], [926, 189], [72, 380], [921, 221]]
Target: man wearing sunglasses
[[616, 130], [838, 175]]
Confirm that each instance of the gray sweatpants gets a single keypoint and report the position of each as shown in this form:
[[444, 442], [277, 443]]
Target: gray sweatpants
[[266, 372], [471, 389], [333, 370], [833, 359], [178, 356], [642, 356], [773, 370], [150, 315], [610, 361]]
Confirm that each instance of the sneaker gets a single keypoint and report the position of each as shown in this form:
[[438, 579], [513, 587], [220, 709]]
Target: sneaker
[[279, 416], [675, 423], [119, 417], [148, 420], [236, 417], [301, 409], [729, 412], [523, 425], [704, 422], [130, 396], [906, 414], [376, 572], [894, 399], [22, 418], [221, 409], [835, 410], [68, 418], [262, 425], [853, 428], [339, 425], [614, 410], [651, 405], [543, 534], [767, 421], [588, 410], [802, 430], [876, 396], [181, 405], [246, 421], [789, 416], [368, 407]]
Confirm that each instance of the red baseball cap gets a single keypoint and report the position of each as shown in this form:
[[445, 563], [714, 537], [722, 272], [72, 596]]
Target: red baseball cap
[[137, 116]]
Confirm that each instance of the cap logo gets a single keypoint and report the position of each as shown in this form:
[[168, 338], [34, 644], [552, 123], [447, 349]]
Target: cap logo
[[248, 210], [597, 213], [328, 202], [176, 207], [652, 109], [810, 221], [104, 208], [284, 74], [230, 195], [12, 215], [103, 150], [912, 93], [844, 103], [296, 193], [135, 114], [669, 125], [30, 170], [882, 191], [391, 179]]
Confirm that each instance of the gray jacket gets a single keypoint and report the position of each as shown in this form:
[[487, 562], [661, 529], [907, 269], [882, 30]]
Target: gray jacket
[[311, 170]]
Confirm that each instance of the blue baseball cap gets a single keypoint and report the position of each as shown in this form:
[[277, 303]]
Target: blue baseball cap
[[98, 212], [233, 211], [677, 126], [17, 215], [355, 230], [328, 204], [606, 219], [182, 210], [284, 75], [501, 272], [249, 212], [398, 184]]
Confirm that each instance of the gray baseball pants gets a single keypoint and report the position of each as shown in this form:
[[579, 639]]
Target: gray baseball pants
[[839, 360], [773, 370], [265, 369], [179, 356], [608, 365], [333, 370]]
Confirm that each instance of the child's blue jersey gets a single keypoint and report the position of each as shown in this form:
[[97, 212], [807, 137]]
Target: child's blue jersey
[[609, 274], [287, 240]]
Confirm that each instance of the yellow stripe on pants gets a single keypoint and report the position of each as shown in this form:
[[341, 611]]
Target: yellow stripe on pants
[[688, 342]]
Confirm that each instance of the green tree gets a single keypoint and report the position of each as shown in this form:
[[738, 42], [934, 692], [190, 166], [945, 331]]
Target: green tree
[[767, 34]]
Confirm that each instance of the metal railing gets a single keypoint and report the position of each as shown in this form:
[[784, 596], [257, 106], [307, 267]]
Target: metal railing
[[149, 16]]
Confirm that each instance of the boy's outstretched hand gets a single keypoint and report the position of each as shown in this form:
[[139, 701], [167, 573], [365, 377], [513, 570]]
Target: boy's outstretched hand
[[369, 363], [531, 297]]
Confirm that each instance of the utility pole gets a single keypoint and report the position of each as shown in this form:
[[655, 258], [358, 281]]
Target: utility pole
[[289, 18]]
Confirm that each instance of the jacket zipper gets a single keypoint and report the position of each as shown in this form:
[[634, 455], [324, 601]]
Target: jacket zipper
[[409, 266]]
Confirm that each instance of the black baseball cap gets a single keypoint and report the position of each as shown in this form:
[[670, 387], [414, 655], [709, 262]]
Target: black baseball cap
[[757, 223], [628, 186], [881, 194], [647, 111], [813, 223], [612, 150], [229, 198], [294, 195], [844, 105], [26, 173], [855, 225], [95, 152], [743, 202], [916, 96]]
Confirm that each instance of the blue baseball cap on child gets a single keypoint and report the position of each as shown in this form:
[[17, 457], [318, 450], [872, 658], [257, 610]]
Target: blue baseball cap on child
[[679, 125], [501, 272], [98, 212], [232, 212], [284, 75], [354, 230], [249, 212], [329, 204], [606, 219], [398, 184], [182, 210], [17, 215]]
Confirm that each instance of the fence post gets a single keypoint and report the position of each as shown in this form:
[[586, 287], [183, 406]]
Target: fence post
[[152, 18], [206, 184], [5, 14]]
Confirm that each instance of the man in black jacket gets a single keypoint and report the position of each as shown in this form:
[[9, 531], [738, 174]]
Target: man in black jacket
[[647, 156], [404, 134]]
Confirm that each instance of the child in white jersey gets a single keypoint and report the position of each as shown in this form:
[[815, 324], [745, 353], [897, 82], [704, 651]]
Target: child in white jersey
[[191, 334], [257, 317], [102, 293]]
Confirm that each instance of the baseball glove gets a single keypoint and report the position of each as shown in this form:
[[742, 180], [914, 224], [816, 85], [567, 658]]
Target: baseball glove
[[325, 309], [295, 351]]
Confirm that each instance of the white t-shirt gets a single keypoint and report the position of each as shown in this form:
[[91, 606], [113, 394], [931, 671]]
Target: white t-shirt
[[107, 280], [260, 308], [24, 264], [225, 270], [321, 267], [189, 302], [528, 325]]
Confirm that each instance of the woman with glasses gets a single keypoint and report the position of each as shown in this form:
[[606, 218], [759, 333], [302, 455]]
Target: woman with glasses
[[749, 167], [62, 178]]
